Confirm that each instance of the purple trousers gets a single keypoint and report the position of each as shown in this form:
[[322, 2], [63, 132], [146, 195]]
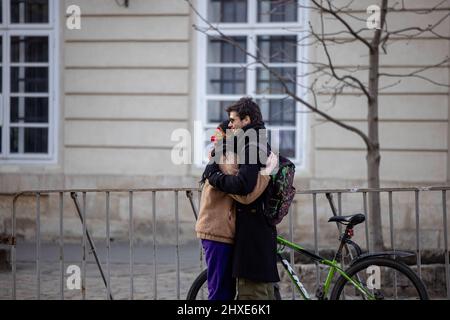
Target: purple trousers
[[221, 284]]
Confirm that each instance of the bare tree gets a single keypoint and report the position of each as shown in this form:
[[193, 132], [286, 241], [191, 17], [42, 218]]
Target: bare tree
[[324, 77]]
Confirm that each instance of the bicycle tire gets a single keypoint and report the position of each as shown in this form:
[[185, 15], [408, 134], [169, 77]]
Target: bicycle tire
[[398, 266], [196, 285]]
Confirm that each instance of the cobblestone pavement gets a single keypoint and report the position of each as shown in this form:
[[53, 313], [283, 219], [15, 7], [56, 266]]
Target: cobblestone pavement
[[143, 280], [143, 269], [95, 288]]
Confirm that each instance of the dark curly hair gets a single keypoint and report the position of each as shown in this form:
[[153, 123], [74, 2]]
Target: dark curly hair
[[246, 107]]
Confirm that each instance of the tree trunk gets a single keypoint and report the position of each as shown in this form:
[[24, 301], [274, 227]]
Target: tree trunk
[[373, 152], [373, 156], [375, 222]]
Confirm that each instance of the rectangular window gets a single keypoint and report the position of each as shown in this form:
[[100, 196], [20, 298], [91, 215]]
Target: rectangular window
[[27, 35], [281, 49], [224, 68], [227, 11], [29, 11], [277, 11], [263, 29]]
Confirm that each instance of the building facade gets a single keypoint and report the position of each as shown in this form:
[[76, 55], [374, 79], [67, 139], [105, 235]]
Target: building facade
[[97, 107]]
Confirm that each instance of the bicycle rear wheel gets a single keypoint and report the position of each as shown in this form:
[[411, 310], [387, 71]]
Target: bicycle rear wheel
[[383, 278], [199, 288]]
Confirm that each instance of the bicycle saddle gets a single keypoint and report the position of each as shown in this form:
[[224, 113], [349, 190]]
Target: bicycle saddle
[[352, 219]]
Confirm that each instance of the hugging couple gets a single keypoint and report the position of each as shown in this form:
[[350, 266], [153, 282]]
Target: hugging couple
[[238, 241]]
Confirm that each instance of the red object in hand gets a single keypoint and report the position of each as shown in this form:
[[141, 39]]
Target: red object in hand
[[213, 138]]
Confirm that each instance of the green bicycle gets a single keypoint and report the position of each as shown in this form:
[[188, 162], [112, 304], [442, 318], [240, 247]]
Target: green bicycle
[[370, 276]]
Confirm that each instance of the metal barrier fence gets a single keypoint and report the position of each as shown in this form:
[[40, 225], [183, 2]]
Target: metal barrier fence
[[389, 191], [106, 276]]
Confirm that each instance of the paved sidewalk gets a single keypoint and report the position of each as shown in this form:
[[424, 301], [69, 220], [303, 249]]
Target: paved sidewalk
[[120, 272], [166, 280]]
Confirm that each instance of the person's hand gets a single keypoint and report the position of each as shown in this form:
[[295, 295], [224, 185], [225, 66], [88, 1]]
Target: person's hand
[[271, 165], [211, 169]]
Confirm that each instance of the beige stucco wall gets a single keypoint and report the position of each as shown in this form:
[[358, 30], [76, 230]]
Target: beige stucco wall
[[127, 87], [128, 79]]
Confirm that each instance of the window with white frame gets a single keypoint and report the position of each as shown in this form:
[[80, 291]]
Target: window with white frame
[[268, 30], [27, 83]]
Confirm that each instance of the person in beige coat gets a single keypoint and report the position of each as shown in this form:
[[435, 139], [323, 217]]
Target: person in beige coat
[[216, 223]]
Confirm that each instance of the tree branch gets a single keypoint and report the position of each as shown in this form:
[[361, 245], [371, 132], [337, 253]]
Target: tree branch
[[430, 29], [333, 71], [350, 29], [415, 74]]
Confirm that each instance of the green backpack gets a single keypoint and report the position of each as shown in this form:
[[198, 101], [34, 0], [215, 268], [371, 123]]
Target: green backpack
[[280, 191]]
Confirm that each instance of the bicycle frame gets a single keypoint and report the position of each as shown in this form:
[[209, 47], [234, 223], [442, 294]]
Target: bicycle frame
[[332, 264]]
